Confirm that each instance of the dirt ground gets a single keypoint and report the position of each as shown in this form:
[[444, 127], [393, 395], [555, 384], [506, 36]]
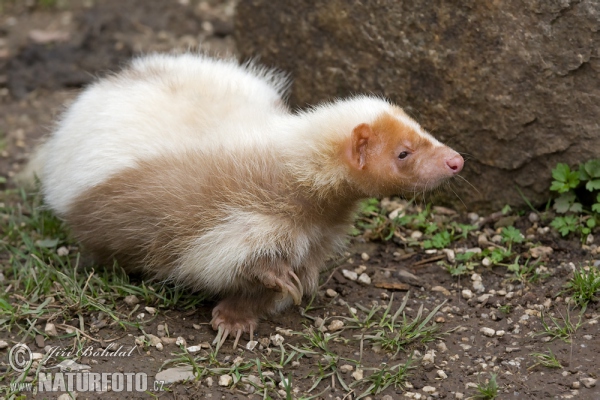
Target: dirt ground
[[50, 49]]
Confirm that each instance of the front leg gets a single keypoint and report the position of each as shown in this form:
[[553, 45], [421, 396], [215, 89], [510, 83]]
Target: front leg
[[239, 312]]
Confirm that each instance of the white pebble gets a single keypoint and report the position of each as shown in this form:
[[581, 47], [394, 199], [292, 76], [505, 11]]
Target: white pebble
[[331, 293], [364, 279], [335, 325], [346, 368], [588, 382], [159, 346], [225, 380], [277, 339], [360, 269], [251, 345], [3, 344], [364, 256], [486, 262], [209, 381], [358, 374], [50, 330], [193, 349], [467, 294], [429, 389], [350, 274], [488, 331], [62, 251], [442, 374], [429, 357], [500, 333]]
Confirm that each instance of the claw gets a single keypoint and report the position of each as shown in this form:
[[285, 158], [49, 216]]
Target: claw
[[237, 338], [218, 337], [300, 288], [225, 336], [251, 332]]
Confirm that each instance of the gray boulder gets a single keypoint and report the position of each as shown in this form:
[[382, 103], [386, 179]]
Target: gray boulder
[[514, 84]]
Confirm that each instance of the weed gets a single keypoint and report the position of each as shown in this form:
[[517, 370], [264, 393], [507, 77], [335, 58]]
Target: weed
[[487, 390], [566, 182], [546, 359], [558, 330], [584, 285], [383, 378]]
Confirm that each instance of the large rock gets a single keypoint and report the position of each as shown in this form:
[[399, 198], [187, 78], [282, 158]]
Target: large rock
[[513, 84]]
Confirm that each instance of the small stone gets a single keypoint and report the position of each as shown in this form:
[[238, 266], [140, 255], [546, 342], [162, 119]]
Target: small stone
[[450, 255], [467, 294], [37, 356], [540, 251], [459, 395], [364, 279], [193, 349], [488, 331], [196, 326], [364, 256], [500, 333], [3, 344], [428, 358], [360, 269], [67, 396], [416, 235], [486, 262], [277, 339], [151, 310], [251, 345], [441, 289], [153, 340], [576, 385], [131, 300], [225, 380], [478, 287], [484, 298], [387, 397], [588, 382], [441, 346], [442, 374], [440, 320], [331, 293], [62, 251], [319, 322], [587, 337], [177, 374], [346, 368], [180, 341], [533, 217], [429, 389], [159, 346], [39, 341], [351, 275], [209, 381], [335, 325], [50, 330], [473, 217], [358, 374]]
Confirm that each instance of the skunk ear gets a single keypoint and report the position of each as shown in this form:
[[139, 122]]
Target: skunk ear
[[360, 140]]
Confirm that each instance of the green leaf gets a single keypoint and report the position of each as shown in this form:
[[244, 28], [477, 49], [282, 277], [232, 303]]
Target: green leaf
[[563, 203], [5, 305], [592, 167], [512, 235], [561, 172], [565, 225], [596, 207], [593, 185], [576, 208]]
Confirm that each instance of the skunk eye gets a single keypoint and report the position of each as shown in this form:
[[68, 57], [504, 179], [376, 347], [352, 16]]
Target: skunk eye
[[403, 155]]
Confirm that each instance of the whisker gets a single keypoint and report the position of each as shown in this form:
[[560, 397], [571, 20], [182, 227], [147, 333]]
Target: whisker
[[469, 183]]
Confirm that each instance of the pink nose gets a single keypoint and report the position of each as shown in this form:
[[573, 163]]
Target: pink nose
[[455, 163]]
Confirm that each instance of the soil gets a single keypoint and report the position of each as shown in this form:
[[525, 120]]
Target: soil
[[48, 52]]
